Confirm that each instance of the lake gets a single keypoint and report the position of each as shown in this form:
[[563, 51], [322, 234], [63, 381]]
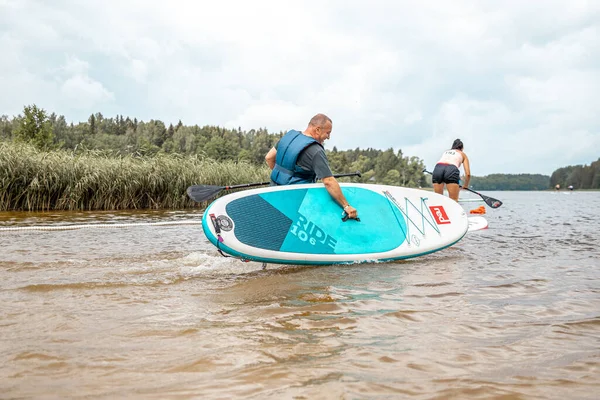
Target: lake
[[148, 309]]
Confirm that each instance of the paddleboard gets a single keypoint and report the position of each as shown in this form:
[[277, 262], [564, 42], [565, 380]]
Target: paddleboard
[[302, 224], [477, 223]]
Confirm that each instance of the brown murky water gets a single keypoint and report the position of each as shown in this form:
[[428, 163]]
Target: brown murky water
[[154, 312]]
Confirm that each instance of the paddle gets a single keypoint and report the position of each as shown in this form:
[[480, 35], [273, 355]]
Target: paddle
[[200, 193], [490, 201]]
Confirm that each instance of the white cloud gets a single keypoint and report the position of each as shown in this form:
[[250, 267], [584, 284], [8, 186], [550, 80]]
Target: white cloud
[[84, 92], [517, 81], [283, 114], [413, 117], [138, 70], [75, 66]]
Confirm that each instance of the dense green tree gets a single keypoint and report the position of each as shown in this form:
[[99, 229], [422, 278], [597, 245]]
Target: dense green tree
[[578, 176], [153, 131], [60, 129], [219, 149], [364, 165], [392, 177], [385, 162], [170, 131], [92, 122], [338, 162], [6, 127], [34, 127]]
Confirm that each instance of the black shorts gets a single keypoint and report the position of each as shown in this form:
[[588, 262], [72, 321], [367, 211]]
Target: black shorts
[[445, 173]]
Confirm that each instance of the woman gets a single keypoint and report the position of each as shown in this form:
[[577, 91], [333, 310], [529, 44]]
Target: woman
[[446, 170]]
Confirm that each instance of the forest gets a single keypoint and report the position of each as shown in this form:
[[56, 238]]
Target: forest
[[164, 152], [578, 176], [122, 136]]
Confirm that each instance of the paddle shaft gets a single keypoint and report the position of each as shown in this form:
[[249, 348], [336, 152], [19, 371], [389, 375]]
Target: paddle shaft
[[245, 185], [200, 193]]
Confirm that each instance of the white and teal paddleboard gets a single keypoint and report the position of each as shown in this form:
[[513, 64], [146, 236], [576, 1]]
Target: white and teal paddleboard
[[477, 223], [302, 224]]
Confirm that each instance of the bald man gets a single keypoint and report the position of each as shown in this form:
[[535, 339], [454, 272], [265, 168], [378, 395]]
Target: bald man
[[299, 157]]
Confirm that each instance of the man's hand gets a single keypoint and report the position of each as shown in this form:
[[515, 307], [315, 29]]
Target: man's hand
[[351, 211]]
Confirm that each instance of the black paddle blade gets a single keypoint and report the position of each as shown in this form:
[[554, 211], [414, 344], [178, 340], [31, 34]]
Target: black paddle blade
[[494, 203], [490, 201], [200, 193]]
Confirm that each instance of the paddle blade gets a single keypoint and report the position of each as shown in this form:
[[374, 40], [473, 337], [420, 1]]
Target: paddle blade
[[200, 193], [490, 201], [494, 203]]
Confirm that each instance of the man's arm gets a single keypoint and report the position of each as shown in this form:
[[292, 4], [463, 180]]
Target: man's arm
[[271, 157], [334, 189], [321, 167]]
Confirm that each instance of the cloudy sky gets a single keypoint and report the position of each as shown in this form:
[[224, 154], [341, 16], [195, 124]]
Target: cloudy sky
[[517, 81]]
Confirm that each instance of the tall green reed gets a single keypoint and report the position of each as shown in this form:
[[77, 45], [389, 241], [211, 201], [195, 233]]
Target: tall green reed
[[32, 180]]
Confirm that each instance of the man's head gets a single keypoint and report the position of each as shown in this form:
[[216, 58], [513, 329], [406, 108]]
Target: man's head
[[320, 127]]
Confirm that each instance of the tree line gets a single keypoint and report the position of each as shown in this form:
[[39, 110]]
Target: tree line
[[511, 182], [124, 136], [578, 176]]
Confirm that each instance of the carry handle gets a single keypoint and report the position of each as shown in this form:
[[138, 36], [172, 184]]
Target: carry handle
[[346, 217]]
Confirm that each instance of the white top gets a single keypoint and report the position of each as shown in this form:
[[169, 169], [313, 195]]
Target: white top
[[453, 157]]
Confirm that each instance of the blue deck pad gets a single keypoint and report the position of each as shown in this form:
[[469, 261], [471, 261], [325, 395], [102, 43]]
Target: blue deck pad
[[317, 226], [258, 223]]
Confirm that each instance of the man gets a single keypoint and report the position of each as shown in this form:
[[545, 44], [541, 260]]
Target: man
[[299, 157]]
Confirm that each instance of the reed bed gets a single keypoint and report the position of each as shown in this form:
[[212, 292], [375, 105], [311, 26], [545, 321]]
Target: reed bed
[[34, 180]]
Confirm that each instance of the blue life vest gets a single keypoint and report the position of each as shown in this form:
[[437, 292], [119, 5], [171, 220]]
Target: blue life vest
[[286, 172]]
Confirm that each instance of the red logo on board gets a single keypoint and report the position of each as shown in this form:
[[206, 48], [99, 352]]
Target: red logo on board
[[440, 215]]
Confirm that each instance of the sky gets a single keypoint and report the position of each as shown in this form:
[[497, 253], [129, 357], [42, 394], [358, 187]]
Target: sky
[[517, 81]]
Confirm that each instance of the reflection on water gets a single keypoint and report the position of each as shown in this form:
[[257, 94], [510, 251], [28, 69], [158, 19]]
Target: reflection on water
[[156, 312]]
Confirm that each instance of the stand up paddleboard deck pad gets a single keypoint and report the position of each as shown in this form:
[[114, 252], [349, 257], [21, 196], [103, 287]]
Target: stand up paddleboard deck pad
[[477, 223], [302, 224]]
